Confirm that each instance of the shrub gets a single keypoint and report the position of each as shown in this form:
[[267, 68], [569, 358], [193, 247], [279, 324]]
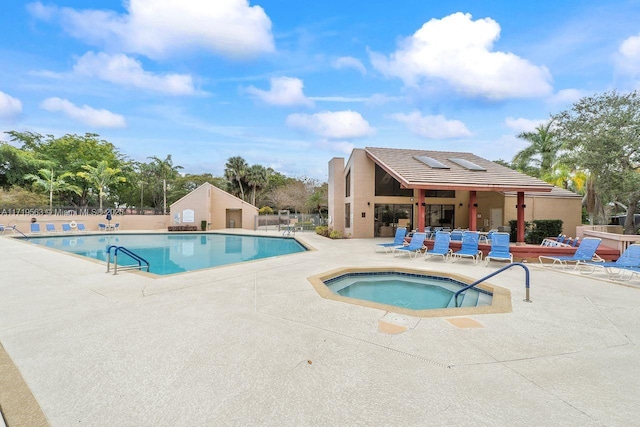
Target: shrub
[[335, 234], [544, 228], [265, 210], [322, 230]]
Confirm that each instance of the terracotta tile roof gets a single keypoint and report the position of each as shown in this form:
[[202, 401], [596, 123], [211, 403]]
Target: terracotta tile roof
[[412, 173]]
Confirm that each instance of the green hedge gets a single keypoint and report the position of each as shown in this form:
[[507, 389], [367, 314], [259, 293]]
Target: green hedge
[[537, 230]]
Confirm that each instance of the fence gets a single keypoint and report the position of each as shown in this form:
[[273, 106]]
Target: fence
[[277, 222]]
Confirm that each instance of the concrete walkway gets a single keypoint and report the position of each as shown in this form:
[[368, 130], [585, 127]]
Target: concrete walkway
[[254, 344]]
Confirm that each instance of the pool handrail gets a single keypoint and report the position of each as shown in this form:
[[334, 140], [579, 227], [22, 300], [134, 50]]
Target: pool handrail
[[126, 251], [513, 264]]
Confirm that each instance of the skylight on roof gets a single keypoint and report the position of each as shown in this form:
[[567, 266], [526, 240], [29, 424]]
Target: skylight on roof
[[467, 164], [431, 162]]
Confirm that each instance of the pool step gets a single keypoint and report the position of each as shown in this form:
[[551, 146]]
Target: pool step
[[468, 298]]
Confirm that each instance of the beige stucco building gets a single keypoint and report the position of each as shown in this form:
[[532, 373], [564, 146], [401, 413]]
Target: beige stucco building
[[380, 189], [215, 206]]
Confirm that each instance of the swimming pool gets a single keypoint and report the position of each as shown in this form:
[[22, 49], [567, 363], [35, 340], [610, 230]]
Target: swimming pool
[[414, 292], [407, 290], [176, 253]]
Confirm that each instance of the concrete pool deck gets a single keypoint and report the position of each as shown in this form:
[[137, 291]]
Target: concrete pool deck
[[254, 344]]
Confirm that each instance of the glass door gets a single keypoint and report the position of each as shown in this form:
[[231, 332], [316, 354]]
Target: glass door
[[440, 216]]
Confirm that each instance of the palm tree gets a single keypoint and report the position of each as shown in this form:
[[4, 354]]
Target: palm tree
[[101, 177], [52, 184], [235, 170], [163, 172], [543, 150], [566, 177], [257, 177]]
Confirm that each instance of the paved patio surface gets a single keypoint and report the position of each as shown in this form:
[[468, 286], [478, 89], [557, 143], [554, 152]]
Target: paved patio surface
[[254, 344]]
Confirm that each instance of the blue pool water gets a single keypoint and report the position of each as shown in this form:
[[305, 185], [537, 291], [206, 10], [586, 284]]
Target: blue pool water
[[176, 253], [406, 290]]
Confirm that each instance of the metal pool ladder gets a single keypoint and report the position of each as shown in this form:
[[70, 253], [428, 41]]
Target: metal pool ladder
[[513, 264], [126, 251]]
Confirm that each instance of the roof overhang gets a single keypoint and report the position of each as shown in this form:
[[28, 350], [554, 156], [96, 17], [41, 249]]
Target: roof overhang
[[435, 185]]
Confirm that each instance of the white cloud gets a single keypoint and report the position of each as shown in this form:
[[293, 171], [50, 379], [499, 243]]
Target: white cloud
[[341, 146], [627, 59], [349, 62], [85, 114], [9, 106], [432, 127], [284, 91], [123, 70], [332, 124], [160, 28], [523, 125], [566, 96], [458, 51]]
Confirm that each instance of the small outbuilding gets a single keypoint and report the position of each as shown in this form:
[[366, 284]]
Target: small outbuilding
[[213, 207]]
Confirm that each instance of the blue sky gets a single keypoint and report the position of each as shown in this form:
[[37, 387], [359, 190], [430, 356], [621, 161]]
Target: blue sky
[[291, 84]]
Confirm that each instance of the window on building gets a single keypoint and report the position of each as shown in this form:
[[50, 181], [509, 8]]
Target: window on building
[[347, 185], [386, 185], [451, 194], [347, 215]]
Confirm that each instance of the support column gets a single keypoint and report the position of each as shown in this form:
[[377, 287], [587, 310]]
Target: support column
[[473, 211], [520, 225], [421, 209]]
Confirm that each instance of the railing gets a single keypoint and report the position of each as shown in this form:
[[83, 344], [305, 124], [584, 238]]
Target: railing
[[126, 251], [15, 228], [513, 264]]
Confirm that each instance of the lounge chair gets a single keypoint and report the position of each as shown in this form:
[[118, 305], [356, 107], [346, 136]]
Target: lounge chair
[[499, 248], [50, 228], [81, 228], [66, 228], [585, 252], [414, 247], [456, 236], [4, 228], [401, 232], [440, 246], [629, 261], [35, 228], [469, 247]]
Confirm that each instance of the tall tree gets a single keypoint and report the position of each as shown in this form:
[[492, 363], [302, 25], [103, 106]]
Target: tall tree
[[52, 183], [160, 175], [70, 152], [542, 152], [257, 178], [602, 133], [235, 170], [101, 177]]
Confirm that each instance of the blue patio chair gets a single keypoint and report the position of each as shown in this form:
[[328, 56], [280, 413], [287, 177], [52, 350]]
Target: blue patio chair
[[50, 228], [81, 228], [414, 247], [440, 246], [35, 228], [456, 236], [499, 248], [102, 227], [469, 247], [116, 226], [585, 252], [401, 232], [629, 261], [66, 228]]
